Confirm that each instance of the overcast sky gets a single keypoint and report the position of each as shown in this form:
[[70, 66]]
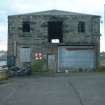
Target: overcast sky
[[10, 7]]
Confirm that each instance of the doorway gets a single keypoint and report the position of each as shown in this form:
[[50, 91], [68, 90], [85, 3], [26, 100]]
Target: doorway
[[51, 62]]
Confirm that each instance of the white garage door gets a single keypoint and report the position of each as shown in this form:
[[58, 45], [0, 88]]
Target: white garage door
[[76, 58], [25, 54]]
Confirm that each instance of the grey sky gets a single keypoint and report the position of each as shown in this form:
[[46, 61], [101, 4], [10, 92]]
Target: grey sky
[[10, 7]]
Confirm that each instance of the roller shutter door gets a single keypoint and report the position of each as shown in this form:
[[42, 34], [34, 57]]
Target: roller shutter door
[[82, 57]]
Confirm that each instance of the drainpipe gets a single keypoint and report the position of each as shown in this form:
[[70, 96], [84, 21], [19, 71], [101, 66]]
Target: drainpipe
[[15, 48]]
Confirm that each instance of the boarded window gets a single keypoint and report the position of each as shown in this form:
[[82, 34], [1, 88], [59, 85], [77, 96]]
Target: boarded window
[[55, 31], [26, 26], [25, 54], [81, 26]]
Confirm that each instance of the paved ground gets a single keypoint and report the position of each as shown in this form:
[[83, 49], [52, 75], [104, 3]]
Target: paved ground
[[74, 89]]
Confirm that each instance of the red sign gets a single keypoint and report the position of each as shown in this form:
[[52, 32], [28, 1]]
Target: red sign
[[38, 56]]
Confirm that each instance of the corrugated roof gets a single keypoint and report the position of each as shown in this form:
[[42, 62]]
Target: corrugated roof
[[56, 12]]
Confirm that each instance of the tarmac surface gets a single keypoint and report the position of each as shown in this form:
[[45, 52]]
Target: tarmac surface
[[57, 89]]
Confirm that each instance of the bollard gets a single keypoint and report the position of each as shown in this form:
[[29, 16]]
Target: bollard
[[66, 71], [3, 75]]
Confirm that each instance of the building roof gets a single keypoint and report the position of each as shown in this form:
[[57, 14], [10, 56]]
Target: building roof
[[56, 12]]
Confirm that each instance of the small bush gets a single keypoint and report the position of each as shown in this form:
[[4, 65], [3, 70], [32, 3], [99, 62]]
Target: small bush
[[37, 66], [101, 69], [80, 69]]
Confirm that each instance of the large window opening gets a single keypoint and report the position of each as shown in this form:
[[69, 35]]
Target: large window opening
[[26, 26], [55, 34]]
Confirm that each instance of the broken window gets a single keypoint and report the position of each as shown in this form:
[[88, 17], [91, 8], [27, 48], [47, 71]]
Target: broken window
[[81, 26], [55, 33], [26, 26]]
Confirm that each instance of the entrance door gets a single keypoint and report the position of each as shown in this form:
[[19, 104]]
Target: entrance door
[[51, 62]]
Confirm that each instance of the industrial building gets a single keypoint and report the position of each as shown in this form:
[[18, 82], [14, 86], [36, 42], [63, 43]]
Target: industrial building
[[64, 40]]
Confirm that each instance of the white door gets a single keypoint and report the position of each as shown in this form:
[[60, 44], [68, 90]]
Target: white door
[[25, 54]]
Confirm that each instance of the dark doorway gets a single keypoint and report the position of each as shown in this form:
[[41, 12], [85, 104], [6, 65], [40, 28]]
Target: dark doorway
[[55, 31]]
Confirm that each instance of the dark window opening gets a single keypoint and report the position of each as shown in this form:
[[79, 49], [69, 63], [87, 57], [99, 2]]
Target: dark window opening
[[26, 26], [81, 27], [55, 31]]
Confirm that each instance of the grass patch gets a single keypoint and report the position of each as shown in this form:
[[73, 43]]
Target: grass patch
[[37, 66]]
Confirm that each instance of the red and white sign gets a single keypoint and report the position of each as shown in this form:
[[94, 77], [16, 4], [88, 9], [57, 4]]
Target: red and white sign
[[38, 56]]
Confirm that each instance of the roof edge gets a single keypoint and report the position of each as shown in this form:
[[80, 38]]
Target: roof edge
[[37, 13]]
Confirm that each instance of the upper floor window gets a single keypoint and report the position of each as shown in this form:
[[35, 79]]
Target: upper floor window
[[81, 26], [55, 33], [26, 26]]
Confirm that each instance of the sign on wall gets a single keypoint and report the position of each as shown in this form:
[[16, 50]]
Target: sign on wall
[[38, 56]]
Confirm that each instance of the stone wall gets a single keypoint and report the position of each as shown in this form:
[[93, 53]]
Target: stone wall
[[37, 37]]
